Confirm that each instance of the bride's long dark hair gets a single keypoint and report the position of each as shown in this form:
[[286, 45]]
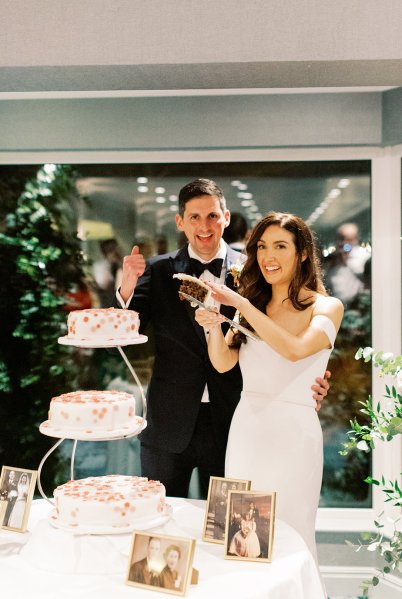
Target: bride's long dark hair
[[252, 284]]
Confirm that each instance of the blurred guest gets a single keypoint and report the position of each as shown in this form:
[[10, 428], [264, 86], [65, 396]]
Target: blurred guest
[[236, 232], [107, 272], [346, 266], [79, 296], [161, 245]]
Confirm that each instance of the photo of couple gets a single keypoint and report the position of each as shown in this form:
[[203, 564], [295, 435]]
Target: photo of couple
[[250, 526], [16, 490], [162, 562]]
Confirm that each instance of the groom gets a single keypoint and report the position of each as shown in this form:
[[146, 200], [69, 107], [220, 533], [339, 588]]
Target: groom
[[190, 404]]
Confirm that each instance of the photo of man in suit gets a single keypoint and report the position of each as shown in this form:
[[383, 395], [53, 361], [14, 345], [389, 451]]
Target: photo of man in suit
[[190, 404], [147, 570]]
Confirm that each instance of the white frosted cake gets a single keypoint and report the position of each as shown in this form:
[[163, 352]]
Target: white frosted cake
[[102, 324], [113, 501], [92, 411]]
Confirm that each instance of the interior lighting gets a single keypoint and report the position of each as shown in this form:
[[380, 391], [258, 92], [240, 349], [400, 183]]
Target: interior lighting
[[160, 190], [343, 183], [142, 179], [142, 188], [242, 187], [160, 200], [173, 198], [334, 193], [235, 183]]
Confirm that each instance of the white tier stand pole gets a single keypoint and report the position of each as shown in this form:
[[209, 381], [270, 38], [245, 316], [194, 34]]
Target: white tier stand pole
[[131, 369], [72, 459], [40, 470]]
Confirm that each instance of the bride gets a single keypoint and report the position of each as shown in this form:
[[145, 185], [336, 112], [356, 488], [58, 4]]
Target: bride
[[275, 438]]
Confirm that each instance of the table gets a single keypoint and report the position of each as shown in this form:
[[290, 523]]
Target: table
[[291, 575]]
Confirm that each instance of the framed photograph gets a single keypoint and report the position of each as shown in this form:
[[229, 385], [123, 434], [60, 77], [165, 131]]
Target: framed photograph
[[161, 563], [215, 512], [250, 524], [17, 487]]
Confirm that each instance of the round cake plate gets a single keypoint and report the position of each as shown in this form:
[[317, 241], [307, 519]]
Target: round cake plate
[[111, 530], [89, 344], [64, 433]]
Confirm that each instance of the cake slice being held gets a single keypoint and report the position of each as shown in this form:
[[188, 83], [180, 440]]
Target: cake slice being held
[[194, 287]]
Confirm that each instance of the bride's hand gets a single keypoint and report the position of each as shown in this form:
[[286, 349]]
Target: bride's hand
[[207, 319], [224, 295]]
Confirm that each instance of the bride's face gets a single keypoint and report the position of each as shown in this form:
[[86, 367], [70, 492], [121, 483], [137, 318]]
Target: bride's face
[[276, 255]]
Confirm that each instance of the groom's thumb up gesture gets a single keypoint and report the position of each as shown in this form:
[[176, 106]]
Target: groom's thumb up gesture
[[133, 268]]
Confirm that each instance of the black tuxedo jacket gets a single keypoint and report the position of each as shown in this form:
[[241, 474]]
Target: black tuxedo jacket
[[182, 366]]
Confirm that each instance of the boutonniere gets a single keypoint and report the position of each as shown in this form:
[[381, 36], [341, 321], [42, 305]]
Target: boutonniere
[[235, 270]]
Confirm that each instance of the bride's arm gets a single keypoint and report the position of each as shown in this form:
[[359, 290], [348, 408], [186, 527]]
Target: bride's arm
[[222, 357], [291, 347]]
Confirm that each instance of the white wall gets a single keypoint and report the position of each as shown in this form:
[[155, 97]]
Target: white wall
[[202, 122]]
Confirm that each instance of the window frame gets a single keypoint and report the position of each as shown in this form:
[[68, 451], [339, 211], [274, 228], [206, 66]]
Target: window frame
[[386, 164]]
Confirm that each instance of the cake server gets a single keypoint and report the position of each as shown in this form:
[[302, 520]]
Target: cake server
[[234, 324]]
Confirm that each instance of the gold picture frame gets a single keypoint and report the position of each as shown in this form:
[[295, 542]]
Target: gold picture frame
[[161, 562], [250, 523], [17, 487], [216, 508]]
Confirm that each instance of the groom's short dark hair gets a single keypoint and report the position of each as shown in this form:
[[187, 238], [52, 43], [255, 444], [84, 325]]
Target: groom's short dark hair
[[197, 188]]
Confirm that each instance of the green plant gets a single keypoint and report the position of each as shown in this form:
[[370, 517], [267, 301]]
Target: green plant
[[385, 422], [41, 263]]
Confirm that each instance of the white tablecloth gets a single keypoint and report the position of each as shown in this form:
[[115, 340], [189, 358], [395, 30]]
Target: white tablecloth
[[46, 563]]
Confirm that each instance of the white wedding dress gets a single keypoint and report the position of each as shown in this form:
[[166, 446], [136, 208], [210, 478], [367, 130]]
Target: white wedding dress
[[275, 438]]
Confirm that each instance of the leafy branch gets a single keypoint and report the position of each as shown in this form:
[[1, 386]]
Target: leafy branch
[[384, 425]]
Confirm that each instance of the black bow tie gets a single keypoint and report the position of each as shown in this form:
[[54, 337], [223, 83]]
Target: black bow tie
[[214, 267]]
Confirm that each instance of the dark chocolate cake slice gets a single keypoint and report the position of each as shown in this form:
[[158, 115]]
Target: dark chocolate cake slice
[[193, 286]]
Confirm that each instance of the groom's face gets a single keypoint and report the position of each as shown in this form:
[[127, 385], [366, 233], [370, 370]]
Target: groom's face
[[203, 223]]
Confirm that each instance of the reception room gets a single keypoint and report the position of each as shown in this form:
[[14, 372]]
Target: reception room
[[107, 112]]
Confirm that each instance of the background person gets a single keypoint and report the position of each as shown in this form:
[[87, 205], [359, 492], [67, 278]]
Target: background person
[[107, 272]]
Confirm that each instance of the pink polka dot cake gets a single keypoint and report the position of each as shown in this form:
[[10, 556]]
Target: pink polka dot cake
[[115, 501], [102, 324], [92, 411]]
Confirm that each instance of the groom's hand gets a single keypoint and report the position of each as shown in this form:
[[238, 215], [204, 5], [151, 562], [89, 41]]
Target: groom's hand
[[321, 389], [133, 268]]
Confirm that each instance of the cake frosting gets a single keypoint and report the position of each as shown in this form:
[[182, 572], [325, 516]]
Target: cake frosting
[[114, 501], [92, 411], [102, 324]]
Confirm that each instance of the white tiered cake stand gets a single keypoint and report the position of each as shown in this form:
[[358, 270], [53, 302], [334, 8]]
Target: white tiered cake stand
[[131, 431]]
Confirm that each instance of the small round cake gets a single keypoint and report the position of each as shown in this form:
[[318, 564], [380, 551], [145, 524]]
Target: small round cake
[[102, 324], [113, 501], [92, 411]]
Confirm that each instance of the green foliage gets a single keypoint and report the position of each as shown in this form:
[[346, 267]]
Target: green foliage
[[41, 261], [383, 425]]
